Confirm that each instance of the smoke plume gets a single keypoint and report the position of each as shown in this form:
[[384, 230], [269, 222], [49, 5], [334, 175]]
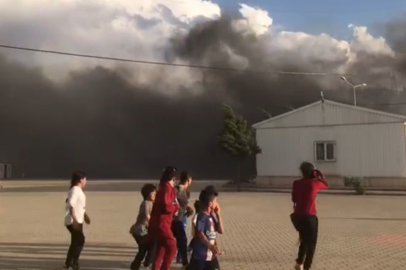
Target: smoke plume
[[115, 120]]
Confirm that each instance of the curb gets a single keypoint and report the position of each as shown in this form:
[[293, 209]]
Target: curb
[[326, 192]]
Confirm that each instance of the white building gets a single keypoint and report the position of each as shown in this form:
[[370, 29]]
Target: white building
[[341, 140]]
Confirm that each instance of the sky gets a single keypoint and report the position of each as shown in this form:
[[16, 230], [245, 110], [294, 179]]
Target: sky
[[329, 16]]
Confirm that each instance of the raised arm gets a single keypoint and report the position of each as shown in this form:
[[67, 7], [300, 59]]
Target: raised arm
[[321, 180], [220, 227]]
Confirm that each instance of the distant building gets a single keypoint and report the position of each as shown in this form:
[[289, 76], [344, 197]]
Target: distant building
[[341, 140], [5, 170]]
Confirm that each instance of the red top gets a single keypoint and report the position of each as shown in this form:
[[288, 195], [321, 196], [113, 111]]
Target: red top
[[164, 208], [304, 195]]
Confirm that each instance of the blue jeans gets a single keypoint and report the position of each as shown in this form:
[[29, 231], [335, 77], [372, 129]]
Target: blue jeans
[[179, 255], [184, 220]]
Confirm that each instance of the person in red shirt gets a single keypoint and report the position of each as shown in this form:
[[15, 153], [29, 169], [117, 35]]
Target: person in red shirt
[[159, 230], [304, 217]]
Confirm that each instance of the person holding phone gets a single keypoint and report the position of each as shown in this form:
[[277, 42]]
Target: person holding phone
[[74, 218], [304, 217]]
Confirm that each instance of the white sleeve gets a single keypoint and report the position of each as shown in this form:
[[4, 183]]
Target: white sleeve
[[73, 196], [193, 227]]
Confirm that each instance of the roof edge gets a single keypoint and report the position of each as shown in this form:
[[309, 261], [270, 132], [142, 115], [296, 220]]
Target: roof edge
[[398, 116], [286, 114]]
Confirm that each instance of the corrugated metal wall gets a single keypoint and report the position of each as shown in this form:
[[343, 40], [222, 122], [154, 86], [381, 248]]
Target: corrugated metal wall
[[366, 150], [329, 114]]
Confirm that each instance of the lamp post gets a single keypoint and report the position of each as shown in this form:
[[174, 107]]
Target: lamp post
[[354, 87]]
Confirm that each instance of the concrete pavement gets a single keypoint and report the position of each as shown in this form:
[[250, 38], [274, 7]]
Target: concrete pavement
[[356, 232]]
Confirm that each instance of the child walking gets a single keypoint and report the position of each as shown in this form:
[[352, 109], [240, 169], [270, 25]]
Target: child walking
[[178, 223], [205, 251], [140, 229], [215, 213]]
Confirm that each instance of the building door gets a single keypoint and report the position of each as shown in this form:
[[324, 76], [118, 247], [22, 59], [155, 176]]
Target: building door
[[2, 171], [8, 170]]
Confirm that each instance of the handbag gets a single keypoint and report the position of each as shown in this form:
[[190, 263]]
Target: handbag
[[133, 229]]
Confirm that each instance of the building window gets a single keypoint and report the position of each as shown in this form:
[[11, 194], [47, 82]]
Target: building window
[[325, 151]]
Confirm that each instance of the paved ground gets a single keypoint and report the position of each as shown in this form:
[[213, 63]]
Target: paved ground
[[355, 232]]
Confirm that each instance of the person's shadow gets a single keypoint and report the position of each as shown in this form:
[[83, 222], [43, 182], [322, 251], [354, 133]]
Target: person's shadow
[[24, 256]]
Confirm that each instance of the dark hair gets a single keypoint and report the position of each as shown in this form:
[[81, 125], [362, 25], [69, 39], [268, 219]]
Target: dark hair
[[211, 189], [205, 198], [168, 174], [184, 177], [76, 177], [198, 206], [146, 190], [307, 169]]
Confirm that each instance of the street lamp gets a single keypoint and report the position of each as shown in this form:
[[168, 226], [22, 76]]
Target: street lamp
[[354, 87]]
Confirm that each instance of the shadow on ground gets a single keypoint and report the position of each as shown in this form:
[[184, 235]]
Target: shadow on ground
[[367, 219], [24, 256]]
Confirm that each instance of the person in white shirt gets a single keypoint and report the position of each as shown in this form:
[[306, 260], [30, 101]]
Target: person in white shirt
[[74, 218]]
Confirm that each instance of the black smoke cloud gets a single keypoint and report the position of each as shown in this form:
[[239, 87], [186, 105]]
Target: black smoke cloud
[[396, 36], [98, 121]]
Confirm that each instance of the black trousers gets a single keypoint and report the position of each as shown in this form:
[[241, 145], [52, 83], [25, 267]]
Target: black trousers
[[179, 232], [203, 265], [76, 245], [308, 227], [145, 250]]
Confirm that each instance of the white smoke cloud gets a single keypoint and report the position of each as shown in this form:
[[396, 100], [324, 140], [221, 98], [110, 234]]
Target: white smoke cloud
[[116, 28], [298, 47], [255, 20], [142, 29], [365, 42]]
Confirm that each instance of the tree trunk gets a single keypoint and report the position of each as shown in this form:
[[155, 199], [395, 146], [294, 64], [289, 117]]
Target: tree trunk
[[239, 174]]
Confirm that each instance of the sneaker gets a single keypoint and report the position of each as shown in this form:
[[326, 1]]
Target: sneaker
[[65, 267], [299, 266]]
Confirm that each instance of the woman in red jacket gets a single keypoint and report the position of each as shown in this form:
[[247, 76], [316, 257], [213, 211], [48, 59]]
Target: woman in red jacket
[[304, 217], [159, 231]]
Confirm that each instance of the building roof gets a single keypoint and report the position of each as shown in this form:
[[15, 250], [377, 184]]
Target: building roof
[[329, 112]]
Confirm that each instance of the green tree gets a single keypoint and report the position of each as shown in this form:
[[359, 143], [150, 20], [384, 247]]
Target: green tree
[[237, 138]]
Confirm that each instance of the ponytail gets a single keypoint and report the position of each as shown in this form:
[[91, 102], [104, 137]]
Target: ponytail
[[168, 174]]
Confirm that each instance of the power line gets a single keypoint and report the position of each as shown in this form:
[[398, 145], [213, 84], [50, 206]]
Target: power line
[[190, 66], [174, 65]]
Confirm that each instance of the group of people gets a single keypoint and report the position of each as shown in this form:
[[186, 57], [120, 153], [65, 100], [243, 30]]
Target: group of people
[[160, 227]]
